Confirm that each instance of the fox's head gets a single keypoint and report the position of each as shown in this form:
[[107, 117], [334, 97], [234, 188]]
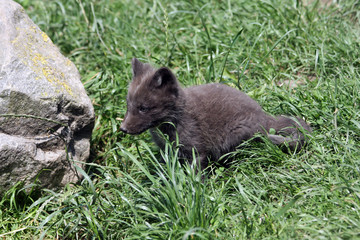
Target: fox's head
[[152, 98]]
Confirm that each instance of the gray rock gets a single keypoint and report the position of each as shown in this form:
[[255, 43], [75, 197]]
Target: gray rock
[[46, 118]]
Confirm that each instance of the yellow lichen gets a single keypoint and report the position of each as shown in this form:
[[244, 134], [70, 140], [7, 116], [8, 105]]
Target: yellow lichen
[[37, 59], [45, 37]]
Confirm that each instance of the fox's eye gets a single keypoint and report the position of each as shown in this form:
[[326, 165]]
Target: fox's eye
[[143, 109]]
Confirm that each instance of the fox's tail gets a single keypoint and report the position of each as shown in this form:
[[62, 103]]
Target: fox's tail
[[289, 132]]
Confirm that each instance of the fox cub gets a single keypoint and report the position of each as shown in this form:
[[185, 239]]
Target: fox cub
[[213, 118]]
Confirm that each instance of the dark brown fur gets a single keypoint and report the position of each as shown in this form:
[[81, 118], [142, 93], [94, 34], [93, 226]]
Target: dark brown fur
[[212, 118]]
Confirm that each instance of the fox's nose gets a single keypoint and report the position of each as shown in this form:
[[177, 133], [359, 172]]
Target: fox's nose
[[124, 130]]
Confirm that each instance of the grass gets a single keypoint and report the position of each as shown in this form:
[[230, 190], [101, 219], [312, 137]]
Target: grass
[[260, 47]]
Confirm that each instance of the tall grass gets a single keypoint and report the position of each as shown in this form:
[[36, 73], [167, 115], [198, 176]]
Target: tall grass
[[132, 190]]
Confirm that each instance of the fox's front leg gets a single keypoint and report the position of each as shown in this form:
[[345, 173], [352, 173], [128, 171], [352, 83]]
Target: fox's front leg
[[202, 162], [194, 158]]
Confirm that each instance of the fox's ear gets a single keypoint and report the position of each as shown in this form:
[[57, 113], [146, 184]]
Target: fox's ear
[[140, 68], [166, 80], [137, 67], [162, 77]]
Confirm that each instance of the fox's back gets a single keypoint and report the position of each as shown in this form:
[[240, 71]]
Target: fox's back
[[216, 98]]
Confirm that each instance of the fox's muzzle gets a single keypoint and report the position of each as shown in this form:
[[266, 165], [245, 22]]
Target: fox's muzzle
[[124, 130], [133, 125]]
